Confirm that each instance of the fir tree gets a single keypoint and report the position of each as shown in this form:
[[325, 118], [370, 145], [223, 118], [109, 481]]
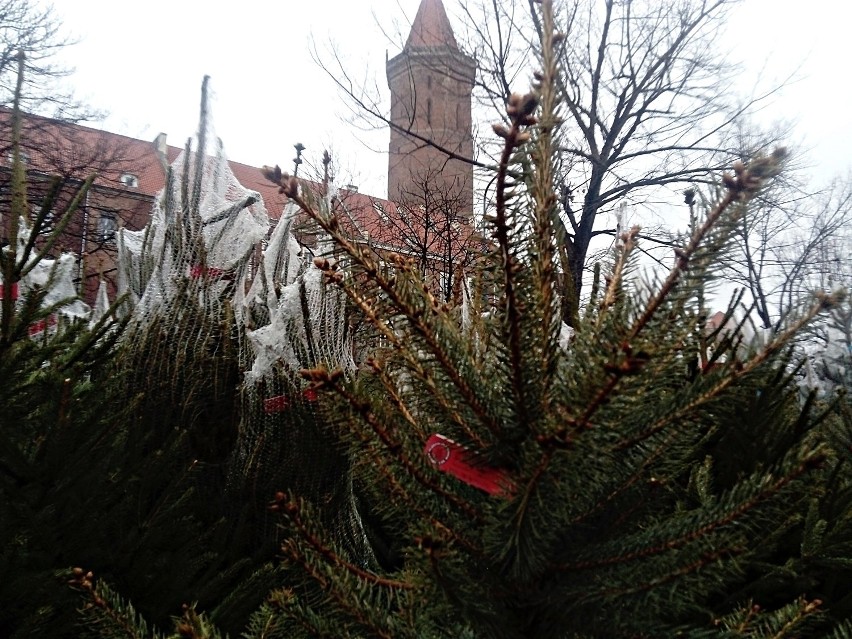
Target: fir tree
[[629, 485], [52, 403]]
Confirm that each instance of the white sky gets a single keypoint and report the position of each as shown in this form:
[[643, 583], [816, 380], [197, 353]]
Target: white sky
[[144, 61]]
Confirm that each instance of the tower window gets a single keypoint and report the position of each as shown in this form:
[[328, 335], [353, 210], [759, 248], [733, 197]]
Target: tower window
[[130, 180], [429, 111]]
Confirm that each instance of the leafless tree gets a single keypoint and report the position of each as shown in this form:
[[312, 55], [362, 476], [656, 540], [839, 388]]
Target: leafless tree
[[791, 244], [431, 226], [645, 97], [32, 27]]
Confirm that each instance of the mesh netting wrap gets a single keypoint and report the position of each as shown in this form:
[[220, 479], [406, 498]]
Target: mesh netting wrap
[[216, 343], [202, 235], [54, 278], [284, 439]]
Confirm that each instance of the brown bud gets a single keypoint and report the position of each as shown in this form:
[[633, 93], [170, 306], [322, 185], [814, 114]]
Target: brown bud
[[315, 374], [522, 138], [501, 130], [273, 174], [291, 186], [185, 630], [528, 104]]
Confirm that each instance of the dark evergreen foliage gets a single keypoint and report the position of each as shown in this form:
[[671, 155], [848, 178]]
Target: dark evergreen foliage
[[648, 479]]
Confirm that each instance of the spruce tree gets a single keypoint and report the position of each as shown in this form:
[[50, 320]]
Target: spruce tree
[[629, 484], [53, 403]]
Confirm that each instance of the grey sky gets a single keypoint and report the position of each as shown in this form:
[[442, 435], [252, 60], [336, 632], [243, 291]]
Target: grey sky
[[144, 64]]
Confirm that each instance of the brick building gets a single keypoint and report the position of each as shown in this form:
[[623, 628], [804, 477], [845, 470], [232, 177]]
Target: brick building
[[427, 216]]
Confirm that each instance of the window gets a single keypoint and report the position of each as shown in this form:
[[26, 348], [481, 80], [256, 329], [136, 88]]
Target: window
[[129, 180], [107, 226]]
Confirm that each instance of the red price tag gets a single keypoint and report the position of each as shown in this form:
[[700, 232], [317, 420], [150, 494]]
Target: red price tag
[[450, 457], [281, 403], [13, 289], [199, 271]]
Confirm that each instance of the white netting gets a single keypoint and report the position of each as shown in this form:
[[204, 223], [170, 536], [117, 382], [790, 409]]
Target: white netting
[[132, 272], [101, 307], [203, 230], [54, 276], [221, 331]]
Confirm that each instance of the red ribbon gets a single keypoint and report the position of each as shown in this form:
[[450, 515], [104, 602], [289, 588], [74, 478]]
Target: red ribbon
[[42, 325], [199, 271]]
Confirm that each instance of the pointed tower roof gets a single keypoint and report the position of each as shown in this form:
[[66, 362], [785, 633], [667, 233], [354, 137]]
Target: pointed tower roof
[[431, 27]]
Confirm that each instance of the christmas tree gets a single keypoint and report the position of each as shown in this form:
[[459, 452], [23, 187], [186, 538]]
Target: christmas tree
[[629, 483]]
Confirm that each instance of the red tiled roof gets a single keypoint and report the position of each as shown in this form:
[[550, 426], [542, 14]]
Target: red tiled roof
[[73, 150], [76, 151], [431, 27]]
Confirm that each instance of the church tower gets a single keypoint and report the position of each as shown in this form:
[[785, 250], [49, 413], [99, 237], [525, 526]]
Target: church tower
[[431, 82]]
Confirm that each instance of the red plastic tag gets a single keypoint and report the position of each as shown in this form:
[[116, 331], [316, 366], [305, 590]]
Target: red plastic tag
[[13, 289], [198, 271], [42, 325], [450, 457], [280, 403]]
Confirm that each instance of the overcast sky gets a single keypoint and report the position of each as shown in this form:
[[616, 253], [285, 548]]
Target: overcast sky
[[144, 63]]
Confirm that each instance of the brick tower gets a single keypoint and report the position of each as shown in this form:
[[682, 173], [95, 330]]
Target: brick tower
[[431, 82]]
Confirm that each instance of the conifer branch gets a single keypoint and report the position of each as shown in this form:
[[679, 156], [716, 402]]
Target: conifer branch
[[739, 189], [520, 111], [336, 591], [726, 519], [108, 611], [544, 197], [397, 449], [399, 403], [293, 509], [450, 533], [414, 314], [740, 371]]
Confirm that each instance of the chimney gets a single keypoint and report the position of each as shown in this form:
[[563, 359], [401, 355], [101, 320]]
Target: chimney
[[161, 149]]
